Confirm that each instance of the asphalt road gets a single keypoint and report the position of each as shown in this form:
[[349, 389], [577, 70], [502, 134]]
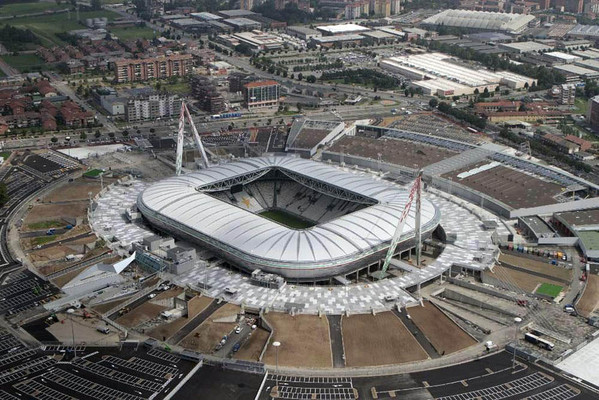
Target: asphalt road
[[336, 341], [417, 333]]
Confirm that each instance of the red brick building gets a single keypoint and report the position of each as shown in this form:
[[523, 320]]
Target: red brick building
[[132, 70]]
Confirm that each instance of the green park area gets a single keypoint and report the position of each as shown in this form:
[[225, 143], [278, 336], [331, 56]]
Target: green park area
[[27, 63], [550, 290], [94, 173], [133, 33], [32, 7]]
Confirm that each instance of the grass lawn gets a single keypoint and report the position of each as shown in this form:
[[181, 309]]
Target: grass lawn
[[2, 73], [47, 26], [46, 225], [30, 8], [182, 87], [581, 106], [134, 32], [93, 173], [5, 154], [287, 219], [27, 62], [550, 290], [39, 241]]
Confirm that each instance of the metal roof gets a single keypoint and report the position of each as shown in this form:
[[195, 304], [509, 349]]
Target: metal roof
[[342, 239]]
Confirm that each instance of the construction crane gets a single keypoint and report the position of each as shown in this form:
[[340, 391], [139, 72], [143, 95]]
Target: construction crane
[[415, 193], [180, 139]]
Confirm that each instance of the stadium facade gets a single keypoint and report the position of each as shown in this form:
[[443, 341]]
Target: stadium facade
[[352, 216]]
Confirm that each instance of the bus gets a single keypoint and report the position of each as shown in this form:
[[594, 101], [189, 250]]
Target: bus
[[542, 343]]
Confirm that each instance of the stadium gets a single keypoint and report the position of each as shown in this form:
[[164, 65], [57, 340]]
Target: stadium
[[300, 219]]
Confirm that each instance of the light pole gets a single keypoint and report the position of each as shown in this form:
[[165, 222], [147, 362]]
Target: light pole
[[276, 346], [517, 320], [71, 311]]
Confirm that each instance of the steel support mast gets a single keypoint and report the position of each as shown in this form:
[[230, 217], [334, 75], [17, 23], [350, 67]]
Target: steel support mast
[[180, 139], [415, 192]]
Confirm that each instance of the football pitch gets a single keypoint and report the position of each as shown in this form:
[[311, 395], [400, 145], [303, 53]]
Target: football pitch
[[287, 219]]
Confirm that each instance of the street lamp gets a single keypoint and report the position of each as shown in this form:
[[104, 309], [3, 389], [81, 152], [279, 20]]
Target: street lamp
[[276, 346], [517, 320], [71, 311]]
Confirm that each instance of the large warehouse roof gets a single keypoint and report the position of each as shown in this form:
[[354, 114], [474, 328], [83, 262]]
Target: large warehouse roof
[[343, 239], [481, 20]]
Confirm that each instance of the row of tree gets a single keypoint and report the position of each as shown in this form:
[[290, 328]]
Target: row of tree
[[16, 39], [363, 77], [462, 115]]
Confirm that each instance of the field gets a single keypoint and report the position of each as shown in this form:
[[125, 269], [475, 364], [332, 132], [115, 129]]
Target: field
[[287, 219], [544, 268], [105, 307], [550, 290], [29, 8], [252, 348], [26, 62], [524, 281], [92, 173], [39, 241], [366, 344], [45, 212], [78, 190], [445, 336], [206, 336], [590, 298], [138, 315], [305, 341], [45, 225], [47, 26], [182, 87], [132, 33]]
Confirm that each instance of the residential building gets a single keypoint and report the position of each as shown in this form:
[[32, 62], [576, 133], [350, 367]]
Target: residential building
[[564, 94], [206, 92], [261, 94], [593, 113], [132, 70], [151, 106]]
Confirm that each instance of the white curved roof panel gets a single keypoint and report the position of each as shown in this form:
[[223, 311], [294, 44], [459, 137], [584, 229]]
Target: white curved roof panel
[[177, 202]]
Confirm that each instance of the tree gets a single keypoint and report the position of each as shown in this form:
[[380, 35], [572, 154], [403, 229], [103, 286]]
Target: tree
[[96, 5], [300, 76], [54, 139], [111, 135], [433, 103], [310, 79], [125, 133], [97, 134], [3, 194], [83, 136]]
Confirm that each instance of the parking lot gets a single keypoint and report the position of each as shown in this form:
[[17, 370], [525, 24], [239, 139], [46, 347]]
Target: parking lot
[[22, 291]]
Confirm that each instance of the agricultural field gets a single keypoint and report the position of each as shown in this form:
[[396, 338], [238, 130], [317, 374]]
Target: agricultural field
[[9, 10], [46, 27], [365, 345], [132, 33]]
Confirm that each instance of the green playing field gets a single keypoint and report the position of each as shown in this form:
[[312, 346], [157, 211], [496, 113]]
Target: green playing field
[[287, 219]]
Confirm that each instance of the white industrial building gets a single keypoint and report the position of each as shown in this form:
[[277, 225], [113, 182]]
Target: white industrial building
[[525, 47], [343, 29], [435, 73], [561, 57], [481, 20]]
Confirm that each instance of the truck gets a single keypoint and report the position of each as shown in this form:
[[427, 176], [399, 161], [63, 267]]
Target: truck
[[103, 329], [171, 314]]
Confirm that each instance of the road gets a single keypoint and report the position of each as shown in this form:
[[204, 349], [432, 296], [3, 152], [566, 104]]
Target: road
[[7, 69], [336, 341], [227, 350]]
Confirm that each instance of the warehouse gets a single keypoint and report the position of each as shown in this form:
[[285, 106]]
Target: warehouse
[[481, 20], [525, 47], [343, 29]]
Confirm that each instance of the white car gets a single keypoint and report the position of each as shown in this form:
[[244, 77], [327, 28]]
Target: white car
[[152, 296], [238, 329]]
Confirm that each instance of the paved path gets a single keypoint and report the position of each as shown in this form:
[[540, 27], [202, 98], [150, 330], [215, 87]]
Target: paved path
[[7, 69], [417, 333], [336, 341]]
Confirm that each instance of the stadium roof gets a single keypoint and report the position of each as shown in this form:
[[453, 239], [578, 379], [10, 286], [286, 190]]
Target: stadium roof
[[177, 201], [481, 20]]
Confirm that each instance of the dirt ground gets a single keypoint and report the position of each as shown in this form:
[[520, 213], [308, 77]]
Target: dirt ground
[[590, 298], [524, 281], [143, 313], [537, 266], [388, 120], [104, 307], [165, 331], [252, 348], [365, 345], [66, 278], [445, 336], [84, 329], [77, 190], [47, 212], [206, 336], [305, 341]]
